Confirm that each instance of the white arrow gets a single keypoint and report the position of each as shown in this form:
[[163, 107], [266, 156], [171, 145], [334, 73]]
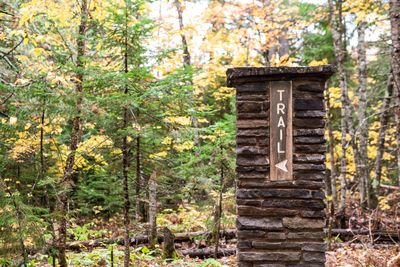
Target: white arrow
[[282, 165]]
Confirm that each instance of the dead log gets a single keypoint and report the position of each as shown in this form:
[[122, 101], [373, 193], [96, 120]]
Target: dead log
[[344, 234], [144, 239], [208, 252]]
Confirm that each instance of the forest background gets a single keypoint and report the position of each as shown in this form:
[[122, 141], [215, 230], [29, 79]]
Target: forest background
[[116, 118]]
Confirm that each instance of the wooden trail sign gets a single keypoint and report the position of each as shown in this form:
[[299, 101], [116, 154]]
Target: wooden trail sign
[[281, 139]]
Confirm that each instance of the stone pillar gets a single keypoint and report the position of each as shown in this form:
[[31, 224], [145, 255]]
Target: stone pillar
[[280, 165]]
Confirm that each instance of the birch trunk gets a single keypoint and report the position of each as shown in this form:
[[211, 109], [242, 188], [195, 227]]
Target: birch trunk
[[153, 209], [68, 178], [383, 125], [340, 57], [362, 116], [331, 147]]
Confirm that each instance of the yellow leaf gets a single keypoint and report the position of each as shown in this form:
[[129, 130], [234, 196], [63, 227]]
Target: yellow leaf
[[37, 51]]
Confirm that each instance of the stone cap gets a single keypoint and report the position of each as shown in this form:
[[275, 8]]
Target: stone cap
[[253, 74]]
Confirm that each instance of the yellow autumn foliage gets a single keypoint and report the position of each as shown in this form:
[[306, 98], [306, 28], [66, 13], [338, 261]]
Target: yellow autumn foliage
[[180, 120], [184, 146], [318, 62]]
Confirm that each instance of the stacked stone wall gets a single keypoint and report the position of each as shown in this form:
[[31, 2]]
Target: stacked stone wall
[[280, 223]]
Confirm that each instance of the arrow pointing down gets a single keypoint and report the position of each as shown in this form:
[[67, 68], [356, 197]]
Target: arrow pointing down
[[282, 165]]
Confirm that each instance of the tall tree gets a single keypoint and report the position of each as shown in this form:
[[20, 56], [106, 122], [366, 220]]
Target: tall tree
[[394, 13], [69, 178], [125, 144], [336, 21], [362, 116]]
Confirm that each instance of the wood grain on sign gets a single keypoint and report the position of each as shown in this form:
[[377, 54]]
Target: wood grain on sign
[[281, 140]]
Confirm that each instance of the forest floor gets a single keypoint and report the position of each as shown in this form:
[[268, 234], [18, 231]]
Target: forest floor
[[357, 251], [347, 255]]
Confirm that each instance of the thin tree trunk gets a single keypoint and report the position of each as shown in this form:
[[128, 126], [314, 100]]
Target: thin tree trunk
[[218, 212], [340, 56], [125, 152], [397, 122], [362, 117], [153, 209], [394, 13], [67, 181], [139, 214], [186, 54], [383, 125], [46, 188], [187, 63], [331, 147]]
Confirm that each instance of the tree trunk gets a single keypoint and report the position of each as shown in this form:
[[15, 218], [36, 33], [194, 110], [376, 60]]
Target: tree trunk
[[362, 116], [218, 212], [397, 125], [185, 47], [337, 35], [187, 63], [331, 147], [153, 209], [42, 172], [125, 153], [394, 14], [383, 125], [139, 216], [67, 181]]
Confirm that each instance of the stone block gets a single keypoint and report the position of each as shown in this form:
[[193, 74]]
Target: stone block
[[261, 212], [309, 132], [274, 193], [256, 160], [252, 132], [310, 114], [310, 148], [252, 141], [254, 175], [249, 223], [309, 87], [252, 150], [314, 247], [318, 257], [309, 104], [259, 87], [303, 223], [310, 176], [247, 235], [308, 123], [309, 167], [276, 236], [309, 140], [308, 158], [252, 124], [281, 256], [305, 236], [252, 106], [294, 203]]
